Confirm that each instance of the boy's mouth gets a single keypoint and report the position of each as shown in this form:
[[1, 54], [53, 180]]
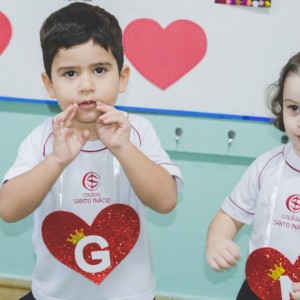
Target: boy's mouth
[[87, 104]]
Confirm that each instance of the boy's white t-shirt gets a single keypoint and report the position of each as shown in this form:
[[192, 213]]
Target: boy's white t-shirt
[[91, 183], [268, 197]]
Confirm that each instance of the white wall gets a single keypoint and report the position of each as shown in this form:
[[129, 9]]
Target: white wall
[[246, 48]]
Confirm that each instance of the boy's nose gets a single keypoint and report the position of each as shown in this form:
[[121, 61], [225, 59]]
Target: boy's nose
[[86, 84]]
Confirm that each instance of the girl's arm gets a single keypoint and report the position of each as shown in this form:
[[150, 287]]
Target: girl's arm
[[221, 251]]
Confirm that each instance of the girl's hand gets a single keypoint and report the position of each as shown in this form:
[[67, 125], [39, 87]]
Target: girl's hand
[[296, 291], [112, 127], [222, 254], [66, 145]]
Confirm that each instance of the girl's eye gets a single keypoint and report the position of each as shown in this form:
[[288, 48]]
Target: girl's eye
[[294, 107], [70, 74], [99, 70]]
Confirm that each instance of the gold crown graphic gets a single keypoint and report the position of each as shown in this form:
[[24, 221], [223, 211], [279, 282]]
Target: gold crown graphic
[[277, 272], [75, 238]]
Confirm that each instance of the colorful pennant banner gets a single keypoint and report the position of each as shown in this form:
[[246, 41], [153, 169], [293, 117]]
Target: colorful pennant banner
[[253, 3]]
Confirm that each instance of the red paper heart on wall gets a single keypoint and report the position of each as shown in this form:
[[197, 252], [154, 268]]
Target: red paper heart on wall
[[93, 251], [263, 269], [5, 32], [163, 56]]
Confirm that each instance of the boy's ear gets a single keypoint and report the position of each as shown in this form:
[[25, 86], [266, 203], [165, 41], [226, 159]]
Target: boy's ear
[[48, 85], [124, 77]]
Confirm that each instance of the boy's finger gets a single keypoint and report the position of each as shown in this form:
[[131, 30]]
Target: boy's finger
[[101, 107], [70, 114]]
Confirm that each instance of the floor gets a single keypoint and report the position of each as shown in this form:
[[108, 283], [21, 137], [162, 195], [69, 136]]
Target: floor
[[11, 289]]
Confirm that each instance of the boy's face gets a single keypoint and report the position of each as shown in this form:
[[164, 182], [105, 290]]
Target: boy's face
[[84, 74]]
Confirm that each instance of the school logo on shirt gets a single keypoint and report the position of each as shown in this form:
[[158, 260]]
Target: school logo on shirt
[[293, 203], [91, 181]]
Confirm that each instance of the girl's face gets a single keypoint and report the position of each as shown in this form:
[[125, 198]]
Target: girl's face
[[291, 109]]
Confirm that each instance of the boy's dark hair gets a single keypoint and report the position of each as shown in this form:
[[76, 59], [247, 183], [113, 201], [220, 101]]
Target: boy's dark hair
[[76, 24], [275, 90]]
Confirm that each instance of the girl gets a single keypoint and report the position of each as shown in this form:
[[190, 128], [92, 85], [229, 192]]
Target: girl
[[268, 194]]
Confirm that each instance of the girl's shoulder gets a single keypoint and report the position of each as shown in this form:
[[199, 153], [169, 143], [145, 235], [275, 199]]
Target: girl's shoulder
[[272, 153], [269, 160]]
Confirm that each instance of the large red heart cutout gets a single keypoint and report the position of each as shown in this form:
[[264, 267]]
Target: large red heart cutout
[[5, 32], [263, 269], [93, 251], [163, 56]]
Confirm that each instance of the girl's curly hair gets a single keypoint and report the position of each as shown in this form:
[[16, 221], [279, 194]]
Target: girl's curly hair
[[275, 90]]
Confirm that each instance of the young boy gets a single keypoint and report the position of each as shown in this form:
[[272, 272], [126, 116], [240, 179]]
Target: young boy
[[89, 173]]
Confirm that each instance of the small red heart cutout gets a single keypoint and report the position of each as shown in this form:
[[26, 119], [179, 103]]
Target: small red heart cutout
[[263, 269], [163, 56], [93, 251], [5, 32]]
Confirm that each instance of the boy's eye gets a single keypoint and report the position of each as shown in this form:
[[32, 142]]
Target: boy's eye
[[70, 74], [99, 70]]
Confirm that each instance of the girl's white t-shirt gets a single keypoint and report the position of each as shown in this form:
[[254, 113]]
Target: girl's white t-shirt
[[90, 184], [268, 197]]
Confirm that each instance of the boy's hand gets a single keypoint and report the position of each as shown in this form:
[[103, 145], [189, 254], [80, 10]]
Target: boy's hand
[[66, 145], [112, 127], [222, 254]]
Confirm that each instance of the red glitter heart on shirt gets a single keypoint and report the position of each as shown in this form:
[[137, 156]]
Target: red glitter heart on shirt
[[5, 32], [87, 249], [161, 55], [264, 262]]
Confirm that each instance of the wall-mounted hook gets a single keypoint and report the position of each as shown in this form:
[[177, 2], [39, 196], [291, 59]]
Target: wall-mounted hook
[[284, 139], [178, 133], [231, 136]]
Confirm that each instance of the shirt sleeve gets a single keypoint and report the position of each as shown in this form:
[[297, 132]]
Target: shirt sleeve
[[29, 155], [150, 145], [253, 186], [240, 204]]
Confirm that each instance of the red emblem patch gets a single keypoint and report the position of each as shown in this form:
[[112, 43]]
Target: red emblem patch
[[93, 251], [263, 270]]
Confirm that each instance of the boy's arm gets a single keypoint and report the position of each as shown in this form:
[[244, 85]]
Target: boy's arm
[[221, 251], [154, 186], [20, 195]]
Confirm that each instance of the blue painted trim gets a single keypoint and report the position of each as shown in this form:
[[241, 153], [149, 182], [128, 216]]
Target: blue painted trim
[[193, 114], [36, 101], [154, 111]]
